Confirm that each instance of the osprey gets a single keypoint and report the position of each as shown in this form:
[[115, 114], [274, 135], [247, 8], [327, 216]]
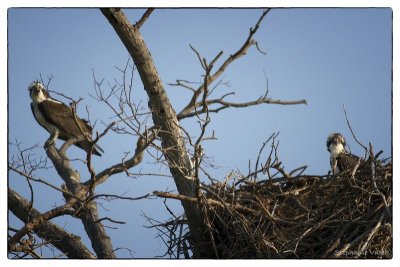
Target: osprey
[[58, 119], [340, 159]]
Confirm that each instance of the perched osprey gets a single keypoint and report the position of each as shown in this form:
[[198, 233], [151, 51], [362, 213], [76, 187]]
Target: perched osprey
[[340, 159], [58, 119]]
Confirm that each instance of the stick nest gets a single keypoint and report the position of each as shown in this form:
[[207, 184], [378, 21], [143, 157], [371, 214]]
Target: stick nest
[[291, 215], [344, 216]]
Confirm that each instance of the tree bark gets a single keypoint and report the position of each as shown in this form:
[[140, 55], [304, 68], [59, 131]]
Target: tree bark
[[165, 120], [101, 242], [67, 243]]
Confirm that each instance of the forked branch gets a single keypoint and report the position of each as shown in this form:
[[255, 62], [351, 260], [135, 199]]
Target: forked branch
[[191, 109]]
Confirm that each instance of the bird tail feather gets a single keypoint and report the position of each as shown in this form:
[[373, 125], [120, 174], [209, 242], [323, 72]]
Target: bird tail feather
[[97, 150]]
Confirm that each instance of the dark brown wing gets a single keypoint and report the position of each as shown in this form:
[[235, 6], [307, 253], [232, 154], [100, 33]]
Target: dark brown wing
[[62, 117], [347, 161]]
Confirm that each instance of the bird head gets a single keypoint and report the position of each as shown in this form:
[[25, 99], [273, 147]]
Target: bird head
[[37, 92], [336, 144]]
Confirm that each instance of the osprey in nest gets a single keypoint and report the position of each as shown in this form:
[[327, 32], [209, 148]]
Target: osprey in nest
[[340, 159], [58, 119]]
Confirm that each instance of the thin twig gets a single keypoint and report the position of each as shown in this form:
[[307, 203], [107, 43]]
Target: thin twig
[[351, 130]]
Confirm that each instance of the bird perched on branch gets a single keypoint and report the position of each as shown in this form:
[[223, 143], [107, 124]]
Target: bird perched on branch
[[59, 120], [340, 159]]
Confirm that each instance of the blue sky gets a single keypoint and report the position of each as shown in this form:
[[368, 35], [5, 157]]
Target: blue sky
[[330, 57]]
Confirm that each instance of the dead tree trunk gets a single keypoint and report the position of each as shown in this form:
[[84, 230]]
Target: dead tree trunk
[[166, 122], [100, 241]]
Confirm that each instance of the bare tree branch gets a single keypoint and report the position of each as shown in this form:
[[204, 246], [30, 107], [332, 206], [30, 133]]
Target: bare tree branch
[[38, 221], [352, 133], [225, 104], [211, 202], [67, 243], [242, 51], [190, 109], [144, 18], [40, 181], [143, 142], [184, 84]]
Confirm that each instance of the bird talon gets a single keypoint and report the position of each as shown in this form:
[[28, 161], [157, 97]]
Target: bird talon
[[49, 143]]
